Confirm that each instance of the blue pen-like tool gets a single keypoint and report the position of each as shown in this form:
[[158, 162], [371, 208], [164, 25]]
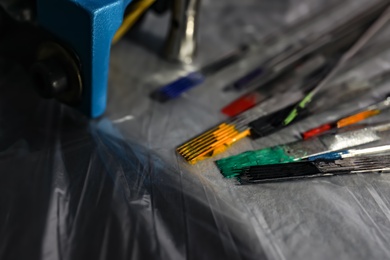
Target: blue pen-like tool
[[350, 153], [176, 88]]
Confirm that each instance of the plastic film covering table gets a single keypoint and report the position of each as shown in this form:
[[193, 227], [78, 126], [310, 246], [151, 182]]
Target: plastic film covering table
[[114, 188]]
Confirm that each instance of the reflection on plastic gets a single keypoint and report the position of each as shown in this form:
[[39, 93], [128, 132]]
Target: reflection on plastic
[[70, 189]]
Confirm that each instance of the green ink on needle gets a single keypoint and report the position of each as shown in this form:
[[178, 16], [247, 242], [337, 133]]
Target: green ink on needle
[[294, 113], [231, 167]]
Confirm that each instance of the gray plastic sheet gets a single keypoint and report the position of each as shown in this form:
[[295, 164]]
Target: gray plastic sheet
[[113, 188], [73, 189]]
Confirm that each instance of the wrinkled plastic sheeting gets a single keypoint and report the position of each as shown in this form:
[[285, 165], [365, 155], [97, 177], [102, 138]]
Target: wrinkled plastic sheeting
[[345, 217], [73, 189]]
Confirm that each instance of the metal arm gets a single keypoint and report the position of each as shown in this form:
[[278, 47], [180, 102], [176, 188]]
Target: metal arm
[[181, 43], [72, 60]]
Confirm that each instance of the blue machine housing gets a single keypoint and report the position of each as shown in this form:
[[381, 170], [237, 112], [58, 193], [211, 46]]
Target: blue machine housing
[[86, 26]]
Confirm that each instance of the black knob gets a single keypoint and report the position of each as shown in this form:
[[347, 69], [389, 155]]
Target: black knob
[[49, 78]]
